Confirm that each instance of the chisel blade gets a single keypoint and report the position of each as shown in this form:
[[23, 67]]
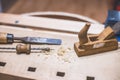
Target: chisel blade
[[40, 40]]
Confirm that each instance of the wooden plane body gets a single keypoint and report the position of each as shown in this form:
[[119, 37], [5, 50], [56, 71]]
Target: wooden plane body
[[95, 43]]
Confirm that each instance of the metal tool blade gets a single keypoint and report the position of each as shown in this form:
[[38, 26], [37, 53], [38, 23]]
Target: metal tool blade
[[40, 40]]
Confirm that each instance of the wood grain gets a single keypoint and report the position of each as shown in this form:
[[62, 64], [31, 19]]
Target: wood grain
[[48, 24], [103, 66]]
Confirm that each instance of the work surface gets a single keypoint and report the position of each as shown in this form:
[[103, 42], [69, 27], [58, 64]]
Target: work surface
[[104, 66]]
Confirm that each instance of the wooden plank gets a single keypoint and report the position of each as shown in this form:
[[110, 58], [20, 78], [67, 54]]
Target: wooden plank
[[103, 66], [62, 15], [48, 23]]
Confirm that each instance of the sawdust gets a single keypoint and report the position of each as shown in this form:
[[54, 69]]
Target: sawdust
[[66, 60], [62, 53]]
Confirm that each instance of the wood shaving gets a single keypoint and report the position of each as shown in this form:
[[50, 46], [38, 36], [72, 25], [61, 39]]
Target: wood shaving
[[66, 60], [47, 53], [62, 50]]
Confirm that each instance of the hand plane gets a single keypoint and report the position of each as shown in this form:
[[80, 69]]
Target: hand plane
[[92, 44]]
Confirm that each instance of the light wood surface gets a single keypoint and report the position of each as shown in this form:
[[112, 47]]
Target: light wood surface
[[48, 23], [104, 66], [62, 15]]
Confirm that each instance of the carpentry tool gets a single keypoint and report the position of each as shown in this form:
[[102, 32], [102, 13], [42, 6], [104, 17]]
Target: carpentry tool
[[6, 38], [91, 44], [26, 48]]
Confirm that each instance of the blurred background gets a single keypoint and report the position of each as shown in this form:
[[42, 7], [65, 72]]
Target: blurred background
[[95, 9]]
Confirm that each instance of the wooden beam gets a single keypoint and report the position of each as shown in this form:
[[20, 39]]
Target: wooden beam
[[48, 23]]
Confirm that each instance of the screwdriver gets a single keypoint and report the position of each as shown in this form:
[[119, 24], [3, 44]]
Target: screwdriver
[[26, 48], [7, 38]]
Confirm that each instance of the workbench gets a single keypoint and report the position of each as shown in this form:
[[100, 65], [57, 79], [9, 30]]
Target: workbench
[[54, 65]]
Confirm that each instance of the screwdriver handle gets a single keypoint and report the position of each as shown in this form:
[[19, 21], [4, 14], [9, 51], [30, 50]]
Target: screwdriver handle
[[6, 38], [23, 48]]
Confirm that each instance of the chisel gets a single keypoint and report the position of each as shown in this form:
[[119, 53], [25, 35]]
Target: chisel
[[25, 48], [6, 38]]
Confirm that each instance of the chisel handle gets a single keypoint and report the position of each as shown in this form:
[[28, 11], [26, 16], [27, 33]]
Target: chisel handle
[[6, 38], [23, 48]]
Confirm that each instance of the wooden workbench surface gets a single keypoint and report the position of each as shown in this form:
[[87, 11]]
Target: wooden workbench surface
[[103, 66]]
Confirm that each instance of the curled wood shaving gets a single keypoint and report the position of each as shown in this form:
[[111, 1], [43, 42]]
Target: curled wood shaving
[[62, 50]]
